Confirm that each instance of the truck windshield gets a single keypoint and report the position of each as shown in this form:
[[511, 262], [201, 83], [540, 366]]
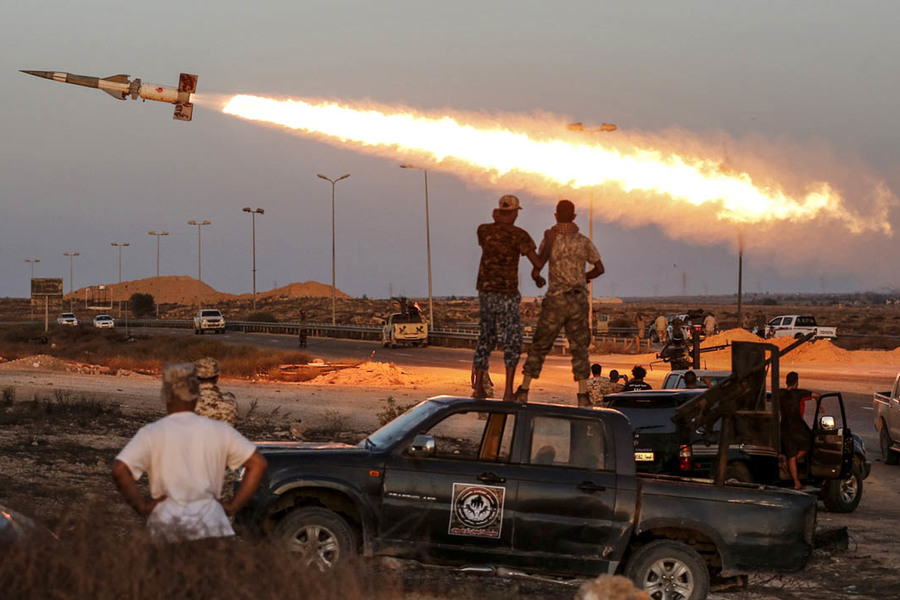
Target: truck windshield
[[399, 427]]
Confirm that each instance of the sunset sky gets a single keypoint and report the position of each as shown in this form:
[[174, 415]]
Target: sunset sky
[[799, 93]]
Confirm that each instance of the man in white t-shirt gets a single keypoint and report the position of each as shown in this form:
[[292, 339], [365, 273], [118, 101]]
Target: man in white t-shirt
[[184, 456]]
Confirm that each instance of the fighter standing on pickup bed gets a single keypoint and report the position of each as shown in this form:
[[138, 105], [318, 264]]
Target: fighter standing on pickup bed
[[566, 303], [502, 243]]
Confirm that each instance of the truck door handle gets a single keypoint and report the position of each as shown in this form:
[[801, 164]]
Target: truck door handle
[[491, 478], [590, 487]]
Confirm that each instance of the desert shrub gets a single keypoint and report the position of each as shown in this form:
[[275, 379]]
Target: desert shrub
[[391, 410], [331, 425], [261, 317], [92, 560], [8, 396], [142, 305]]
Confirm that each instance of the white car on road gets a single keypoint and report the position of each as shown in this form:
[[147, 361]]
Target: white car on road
[[104, 322], [67, 319]]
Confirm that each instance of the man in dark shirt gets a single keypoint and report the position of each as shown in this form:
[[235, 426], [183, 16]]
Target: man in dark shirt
[[502, 243], [795, 433], [637, 383]]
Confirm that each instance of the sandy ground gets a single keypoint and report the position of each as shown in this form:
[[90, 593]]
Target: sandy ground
[[42, 454]]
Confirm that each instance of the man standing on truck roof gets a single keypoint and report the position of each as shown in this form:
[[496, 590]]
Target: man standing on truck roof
[[795, 433], [184, 456], [709, 325], [502, 243], [566, 303]]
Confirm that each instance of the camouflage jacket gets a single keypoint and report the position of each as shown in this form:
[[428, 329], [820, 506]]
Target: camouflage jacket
[[569, 252], [216, 404], [501, 246]]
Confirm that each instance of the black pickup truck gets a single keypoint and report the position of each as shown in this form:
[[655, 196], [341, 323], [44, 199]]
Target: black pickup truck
[[540, 488]]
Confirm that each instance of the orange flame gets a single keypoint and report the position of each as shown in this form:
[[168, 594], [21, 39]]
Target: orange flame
[[560, 161]]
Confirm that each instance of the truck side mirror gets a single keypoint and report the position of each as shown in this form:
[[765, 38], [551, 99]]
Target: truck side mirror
[[826, 422], [422, 445]]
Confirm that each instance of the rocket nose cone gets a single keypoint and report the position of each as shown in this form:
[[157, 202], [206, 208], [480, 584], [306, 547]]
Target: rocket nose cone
[[44, 74]]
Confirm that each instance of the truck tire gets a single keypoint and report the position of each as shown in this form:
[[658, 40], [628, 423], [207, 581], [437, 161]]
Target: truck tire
[[843, 495], [884, 438], [670, 570], [321, 537], [738, 471]]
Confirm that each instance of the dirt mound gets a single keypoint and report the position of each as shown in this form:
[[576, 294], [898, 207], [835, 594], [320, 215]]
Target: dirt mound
[[40, 362], [305, 289], [371, 374]]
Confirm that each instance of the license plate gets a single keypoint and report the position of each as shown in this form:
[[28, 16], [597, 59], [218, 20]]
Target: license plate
[[643, 456]]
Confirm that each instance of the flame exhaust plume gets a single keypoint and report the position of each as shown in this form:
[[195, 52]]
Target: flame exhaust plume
[[659, 181]]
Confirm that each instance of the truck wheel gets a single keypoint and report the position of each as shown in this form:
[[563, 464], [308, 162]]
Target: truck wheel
[[738, 471], [321, 537], [669, 570], [890, 457], [843, 495]]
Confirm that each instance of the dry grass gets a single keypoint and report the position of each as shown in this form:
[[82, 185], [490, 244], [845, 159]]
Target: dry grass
[[147, 353], [90, 561]]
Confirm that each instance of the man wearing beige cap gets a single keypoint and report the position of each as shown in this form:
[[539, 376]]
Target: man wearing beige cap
[[184, 456], [502, 243]]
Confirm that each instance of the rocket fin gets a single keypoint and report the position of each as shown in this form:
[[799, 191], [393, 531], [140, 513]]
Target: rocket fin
[[183, 111], [117, 79], [187, 83], [116, 94]]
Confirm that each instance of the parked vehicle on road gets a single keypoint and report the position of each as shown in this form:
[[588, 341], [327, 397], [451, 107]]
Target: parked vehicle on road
[[209, 319], [796, 326], [67, 319], [887, 422], [675, 379], [836, 462], [104, 322], [536, 487], [404, 328]]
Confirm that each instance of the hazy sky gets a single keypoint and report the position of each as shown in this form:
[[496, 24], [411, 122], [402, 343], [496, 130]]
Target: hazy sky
[[810, 87]]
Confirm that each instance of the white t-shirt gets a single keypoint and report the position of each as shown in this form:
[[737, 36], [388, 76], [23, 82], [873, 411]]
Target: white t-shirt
[[184, 456]]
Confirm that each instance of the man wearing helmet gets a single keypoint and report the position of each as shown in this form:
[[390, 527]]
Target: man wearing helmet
[[214, 403]]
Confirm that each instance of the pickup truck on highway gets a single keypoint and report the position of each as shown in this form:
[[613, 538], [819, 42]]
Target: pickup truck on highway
[[796, 326], [404, 328], [533, 487], [887, 422], [209, 319]]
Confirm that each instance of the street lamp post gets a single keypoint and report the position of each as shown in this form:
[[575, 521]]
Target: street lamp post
[[158, 235], [740, 290], [427, 244], [71, 256], [333, 301], [32, 261], [604, 128], [253, 214], [200, 225], [120, 245]]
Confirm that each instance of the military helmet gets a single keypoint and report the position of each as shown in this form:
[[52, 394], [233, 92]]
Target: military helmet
[[207, 368]]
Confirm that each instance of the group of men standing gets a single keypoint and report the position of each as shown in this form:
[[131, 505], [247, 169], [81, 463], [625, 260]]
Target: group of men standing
[[565, 305]]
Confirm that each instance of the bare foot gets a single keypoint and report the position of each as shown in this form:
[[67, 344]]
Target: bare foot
[[509, 396]]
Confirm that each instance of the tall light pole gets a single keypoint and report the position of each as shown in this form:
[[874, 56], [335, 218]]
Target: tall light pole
[[740, 306], [333, 182], [32, 261], [427, 244], [604, 128], [71, 256], [253, 214], [120, 245], [158, 235], [200, 225]]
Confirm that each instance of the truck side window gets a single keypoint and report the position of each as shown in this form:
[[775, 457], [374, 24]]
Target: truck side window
[[581, 443], [775, 322], [474, 435]]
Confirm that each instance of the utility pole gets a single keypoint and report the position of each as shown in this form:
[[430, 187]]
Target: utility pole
[[333, 296], [158, 235], [200, 225], [71, 256], [253, 214], [120, 245]]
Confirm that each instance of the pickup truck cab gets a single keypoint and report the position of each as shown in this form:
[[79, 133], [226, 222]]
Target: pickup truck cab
[[796, 326], [536, 487], [836, 462], [675, 379], [404, 328], [887, 422], [209, 319]]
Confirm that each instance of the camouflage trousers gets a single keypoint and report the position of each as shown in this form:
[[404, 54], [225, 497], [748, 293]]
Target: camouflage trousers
[[499, 316], [563, 311]]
